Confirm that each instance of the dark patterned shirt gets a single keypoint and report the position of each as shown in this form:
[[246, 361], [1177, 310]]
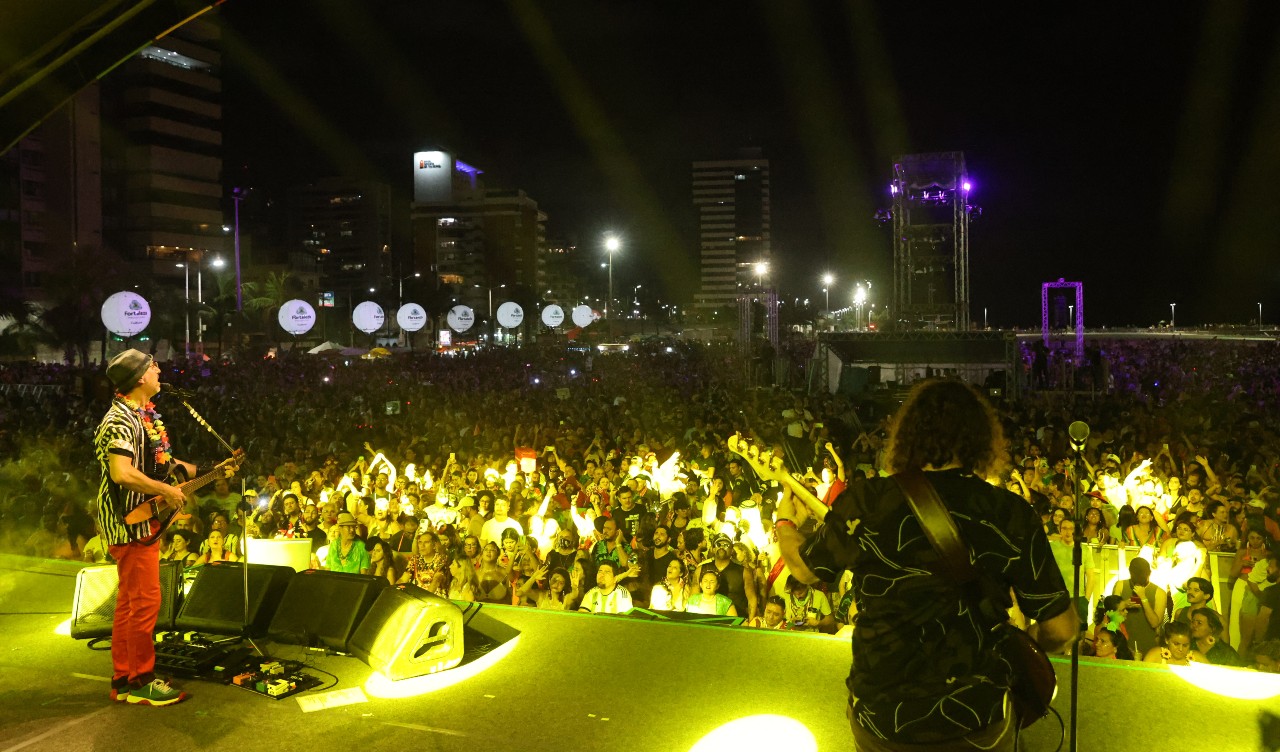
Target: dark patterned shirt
[[924, 668]]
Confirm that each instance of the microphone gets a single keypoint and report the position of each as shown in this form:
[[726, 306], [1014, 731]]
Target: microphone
[[1079, 433], [181, 393]]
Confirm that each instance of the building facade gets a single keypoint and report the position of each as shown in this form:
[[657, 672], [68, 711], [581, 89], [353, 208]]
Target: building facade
[[731, 198], [483, 243]]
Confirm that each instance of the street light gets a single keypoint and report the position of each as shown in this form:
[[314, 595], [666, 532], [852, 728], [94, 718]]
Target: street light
[[237, 195], [859, 299], [1259, 317], [402, 279], [762, 268], [1172, 310], [827, 279], [186, 297], [611, 244]]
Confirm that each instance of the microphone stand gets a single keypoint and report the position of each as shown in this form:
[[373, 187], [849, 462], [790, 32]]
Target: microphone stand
[[244, 528], [1077, 560]]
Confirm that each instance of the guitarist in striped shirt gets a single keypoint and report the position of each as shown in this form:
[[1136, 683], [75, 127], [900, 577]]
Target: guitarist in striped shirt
[[133, 450]]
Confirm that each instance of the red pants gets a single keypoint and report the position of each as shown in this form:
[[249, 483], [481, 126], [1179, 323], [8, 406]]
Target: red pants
[[133, 650]]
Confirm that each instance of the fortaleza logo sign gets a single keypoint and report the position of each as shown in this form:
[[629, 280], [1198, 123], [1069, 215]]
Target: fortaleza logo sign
[[368, 317], [125, 314], [411, 317], [460, 318], [296, 317], [427, 164]]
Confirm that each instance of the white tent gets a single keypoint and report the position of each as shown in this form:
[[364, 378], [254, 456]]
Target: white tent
[[325, 347]]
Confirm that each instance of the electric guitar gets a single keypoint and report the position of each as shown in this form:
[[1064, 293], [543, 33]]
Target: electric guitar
[[160, 508]]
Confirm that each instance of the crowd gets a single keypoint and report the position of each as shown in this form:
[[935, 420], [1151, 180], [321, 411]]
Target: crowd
[[555, 480]]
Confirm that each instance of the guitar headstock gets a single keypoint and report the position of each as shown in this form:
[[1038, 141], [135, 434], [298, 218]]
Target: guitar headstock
[[766, 465], [231, 465]]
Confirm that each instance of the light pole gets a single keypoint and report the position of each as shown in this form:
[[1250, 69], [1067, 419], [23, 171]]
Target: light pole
[[1071, 316], [402, 279], [1259, 317], [762, 268], [1173, 309], [827, 279], [186, 299], [237, 195], [859, 299], [216, 263], [611, 244]]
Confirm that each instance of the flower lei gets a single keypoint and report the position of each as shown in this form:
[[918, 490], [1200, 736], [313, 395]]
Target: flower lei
[[154, 427]]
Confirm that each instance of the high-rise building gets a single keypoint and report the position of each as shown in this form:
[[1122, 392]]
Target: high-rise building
[[475, 238], [346, 226], [162, 194], [732, 200], [51, 194]]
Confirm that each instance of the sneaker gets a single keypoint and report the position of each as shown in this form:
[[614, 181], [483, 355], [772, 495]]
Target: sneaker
[[158, 693], [119, 690]]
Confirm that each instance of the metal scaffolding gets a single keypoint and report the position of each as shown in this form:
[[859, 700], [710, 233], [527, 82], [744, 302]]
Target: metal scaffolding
[[931, 214]]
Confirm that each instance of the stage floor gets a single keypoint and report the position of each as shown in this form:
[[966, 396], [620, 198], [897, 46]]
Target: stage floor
[[568, 682]]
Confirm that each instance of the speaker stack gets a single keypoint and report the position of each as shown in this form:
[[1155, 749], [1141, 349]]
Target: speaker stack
[[410, 632], [401, 631], [216, 603], [94, 608]]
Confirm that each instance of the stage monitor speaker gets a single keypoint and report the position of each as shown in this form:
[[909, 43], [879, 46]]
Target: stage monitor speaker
[[94, 608], [216, 601], [324, 608], [410, 632]]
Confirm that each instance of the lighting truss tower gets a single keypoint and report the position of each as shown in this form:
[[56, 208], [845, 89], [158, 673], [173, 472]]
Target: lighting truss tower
[[931, 213]]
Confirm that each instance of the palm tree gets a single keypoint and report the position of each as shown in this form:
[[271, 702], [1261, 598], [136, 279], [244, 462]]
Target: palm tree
[[267, 296], [219, 310]]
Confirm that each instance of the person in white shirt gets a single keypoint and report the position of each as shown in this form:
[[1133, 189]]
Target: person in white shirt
[[606, 597], [492, 530]]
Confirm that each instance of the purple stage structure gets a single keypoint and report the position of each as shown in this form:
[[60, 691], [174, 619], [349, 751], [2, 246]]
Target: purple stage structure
[[1079, 311]]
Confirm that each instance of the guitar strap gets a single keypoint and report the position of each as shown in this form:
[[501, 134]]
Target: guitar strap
[[953, 553]]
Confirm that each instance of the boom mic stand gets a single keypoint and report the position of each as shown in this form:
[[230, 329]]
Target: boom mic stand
[[1078, 432], [244, 523]]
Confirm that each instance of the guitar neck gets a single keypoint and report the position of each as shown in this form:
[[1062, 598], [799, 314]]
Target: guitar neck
[[195, 484]]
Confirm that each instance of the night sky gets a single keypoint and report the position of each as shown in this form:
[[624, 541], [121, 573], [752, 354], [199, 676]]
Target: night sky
[[1134, 152]]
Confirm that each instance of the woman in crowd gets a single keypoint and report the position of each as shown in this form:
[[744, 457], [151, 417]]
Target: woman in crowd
[[382, 561], [1109, 645], [1144, 531], [464, 581], [1216, 531], [495, 580], [529, 584], [1174, 648], [672, 592], [215, 549], [219, 521], [1183, 556], [708, 599], [179, 547], [1095, 528]]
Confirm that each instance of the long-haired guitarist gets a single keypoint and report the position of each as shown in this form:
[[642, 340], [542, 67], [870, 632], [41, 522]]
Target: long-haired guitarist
[[927, 673], [133, 449]]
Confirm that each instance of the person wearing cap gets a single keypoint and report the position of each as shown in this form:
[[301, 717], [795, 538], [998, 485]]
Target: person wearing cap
[[133, 450], [347, 553]]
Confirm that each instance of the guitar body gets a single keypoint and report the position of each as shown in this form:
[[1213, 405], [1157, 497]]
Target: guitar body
[[158, 508], [1034, 684]]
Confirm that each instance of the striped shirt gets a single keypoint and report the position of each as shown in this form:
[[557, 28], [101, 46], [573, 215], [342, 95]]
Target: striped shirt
[[121, 432]]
